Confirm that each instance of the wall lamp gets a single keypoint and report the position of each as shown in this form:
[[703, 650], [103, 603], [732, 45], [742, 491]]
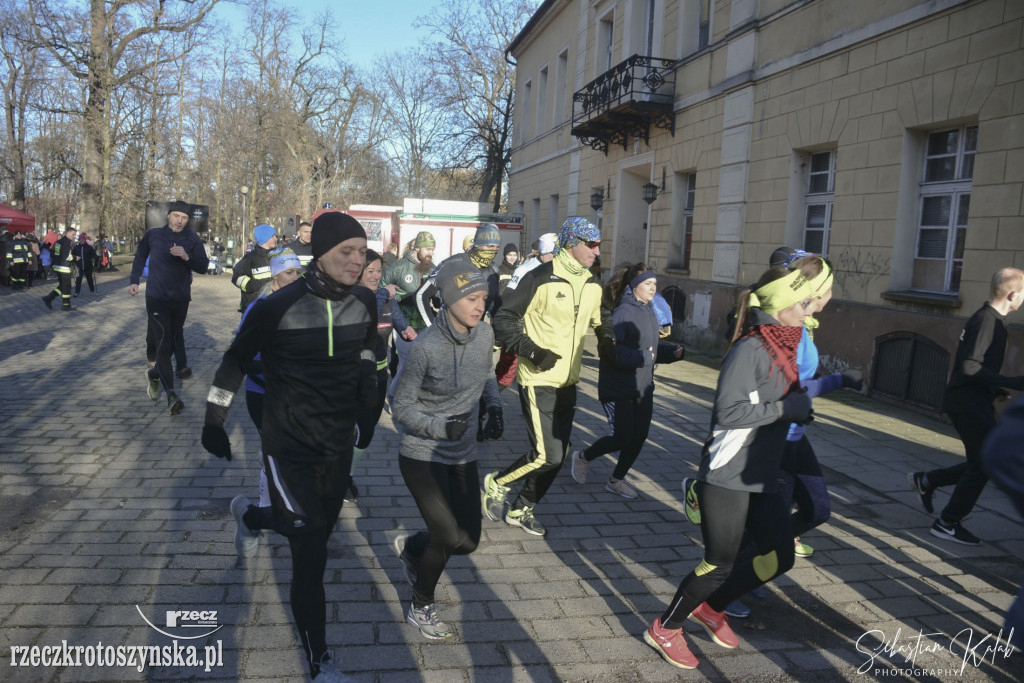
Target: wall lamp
[[651, 191], [597, 198]]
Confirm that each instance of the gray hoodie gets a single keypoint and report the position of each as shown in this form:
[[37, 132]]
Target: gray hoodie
[[444, 374]]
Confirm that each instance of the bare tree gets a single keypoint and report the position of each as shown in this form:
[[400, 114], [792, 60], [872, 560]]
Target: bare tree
[[92, 46], [469, 58]]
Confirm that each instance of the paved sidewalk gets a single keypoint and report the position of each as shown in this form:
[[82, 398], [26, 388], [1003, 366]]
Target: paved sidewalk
[[116, 515]]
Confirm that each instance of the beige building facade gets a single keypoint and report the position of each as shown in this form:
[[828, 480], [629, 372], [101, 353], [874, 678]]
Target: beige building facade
[[888, 136]]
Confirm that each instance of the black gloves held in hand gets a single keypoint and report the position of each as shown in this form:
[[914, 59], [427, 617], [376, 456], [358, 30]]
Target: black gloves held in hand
[[796, 407], [543, 359], [495, 426], [215, 440], [606, 349], [455, 426], [853, 379]]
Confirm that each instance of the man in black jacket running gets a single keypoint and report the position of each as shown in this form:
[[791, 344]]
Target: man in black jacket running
[[317, 374]]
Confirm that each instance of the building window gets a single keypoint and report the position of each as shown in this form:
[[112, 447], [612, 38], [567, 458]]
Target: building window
[[651, 27], [561, 86], [945, 205], [704, 23], [527, 111], [542, 101], [821, 185], [605, 43], [685, 188]]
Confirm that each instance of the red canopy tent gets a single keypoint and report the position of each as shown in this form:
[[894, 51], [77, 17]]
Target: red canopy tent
[[16, 221]]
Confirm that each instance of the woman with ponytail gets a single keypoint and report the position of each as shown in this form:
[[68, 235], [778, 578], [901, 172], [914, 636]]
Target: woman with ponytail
[[757, 398]]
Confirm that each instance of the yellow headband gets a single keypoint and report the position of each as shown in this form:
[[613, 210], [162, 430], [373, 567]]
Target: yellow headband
[[780, 294]]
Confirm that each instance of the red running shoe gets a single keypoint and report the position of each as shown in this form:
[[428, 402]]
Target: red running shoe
[[670, 644], [716, 624]]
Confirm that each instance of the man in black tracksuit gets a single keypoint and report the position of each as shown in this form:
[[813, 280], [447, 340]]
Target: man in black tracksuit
[[61, 265], [174, 253], [974, 385], [252, 272], [316, 377], [301, 245]]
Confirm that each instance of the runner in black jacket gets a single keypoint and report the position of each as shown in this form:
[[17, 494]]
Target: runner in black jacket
[[317, 375], [252, 272], [974, 385]]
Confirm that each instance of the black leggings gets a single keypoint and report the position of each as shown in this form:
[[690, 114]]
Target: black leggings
[[803, 483], [631, 422], [367, 417], [721, 577], [309, 601], [448, 497], [166, 324]]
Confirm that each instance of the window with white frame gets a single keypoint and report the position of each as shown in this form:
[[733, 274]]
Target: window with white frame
[[605, 43], [561, 86], [707, 8], [821, 185], [684, 194], [542, 101], [947, 174]]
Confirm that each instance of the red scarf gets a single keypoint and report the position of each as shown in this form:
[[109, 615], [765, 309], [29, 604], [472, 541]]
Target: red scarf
[[781, 342]]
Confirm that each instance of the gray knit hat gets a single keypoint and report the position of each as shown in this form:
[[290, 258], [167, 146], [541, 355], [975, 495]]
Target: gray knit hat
[[458, 279]]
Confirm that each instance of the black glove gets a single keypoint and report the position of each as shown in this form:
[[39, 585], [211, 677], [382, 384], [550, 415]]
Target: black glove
[[455, 426], [215, 440], [796, 407], [606, 349], [853, 379], [543, 359], [495, 424], [367, 383]]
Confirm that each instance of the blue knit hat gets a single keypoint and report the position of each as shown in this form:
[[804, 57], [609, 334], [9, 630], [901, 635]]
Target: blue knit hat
[[576, 230], [487, 235], [263, 233], [282, 259]]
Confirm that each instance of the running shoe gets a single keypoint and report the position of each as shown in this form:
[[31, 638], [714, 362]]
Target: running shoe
[[716, 624], [954, 532], [495, 497], [174, 404], [328, 672], [351, 493], [760, 592], [923, 492], [426, 620], [48, 301], [737, 609], [691, 504], [183, 373], [579, 467], [409, 565], [524, 518], [801, 549], [152, 386], [670, 644], [247, 541], [620, 487]]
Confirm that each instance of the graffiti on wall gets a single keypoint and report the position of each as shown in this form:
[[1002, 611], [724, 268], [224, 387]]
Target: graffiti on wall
[[857, 268]]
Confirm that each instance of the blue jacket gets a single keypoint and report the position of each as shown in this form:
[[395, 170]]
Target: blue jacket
[[631, 375], [170, 278]]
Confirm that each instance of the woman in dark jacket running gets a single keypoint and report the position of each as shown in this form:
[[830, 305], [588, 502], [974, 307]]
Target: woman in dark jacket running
[[625, 385], [757, 398]]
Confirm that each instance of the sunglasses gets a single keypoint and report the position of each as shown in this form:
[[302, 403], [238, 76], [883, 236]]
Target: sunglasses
[[592, 244]]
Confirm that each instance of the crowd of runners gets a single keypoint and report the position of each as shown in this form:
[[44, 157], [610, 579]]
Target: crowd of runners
[[330, 338]]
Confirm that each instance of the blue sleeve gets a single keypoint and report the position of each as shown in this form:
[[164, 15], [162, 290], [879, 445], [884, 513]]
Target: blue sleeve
[[398, 321]]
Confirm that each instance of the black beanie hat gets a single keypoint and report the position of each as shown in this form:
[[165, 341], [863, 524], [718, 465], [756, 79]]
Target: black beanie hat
[[510, 248], [332, 228], [180, 207]]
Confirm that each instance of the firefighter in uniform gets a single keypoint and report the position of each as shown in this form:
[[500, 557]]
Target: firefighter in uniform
[[61, 265]]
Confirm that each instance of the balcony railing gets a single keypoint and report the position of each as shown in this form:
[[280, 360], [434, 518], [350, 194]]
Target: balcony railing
[[625, 100]]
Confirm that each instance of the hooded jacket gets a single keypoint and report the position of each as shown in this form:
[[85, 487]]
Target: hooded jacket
[[630, 373], [444, 374]]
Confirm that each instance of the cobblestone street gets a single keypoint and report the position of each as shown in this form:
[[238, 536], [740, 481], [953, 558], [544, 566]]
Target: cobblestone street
[[116, 515]]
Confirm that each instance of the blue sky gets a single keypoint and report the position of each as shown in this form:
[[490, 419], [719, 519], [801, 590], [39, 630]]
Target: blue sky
[[368, 28]]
